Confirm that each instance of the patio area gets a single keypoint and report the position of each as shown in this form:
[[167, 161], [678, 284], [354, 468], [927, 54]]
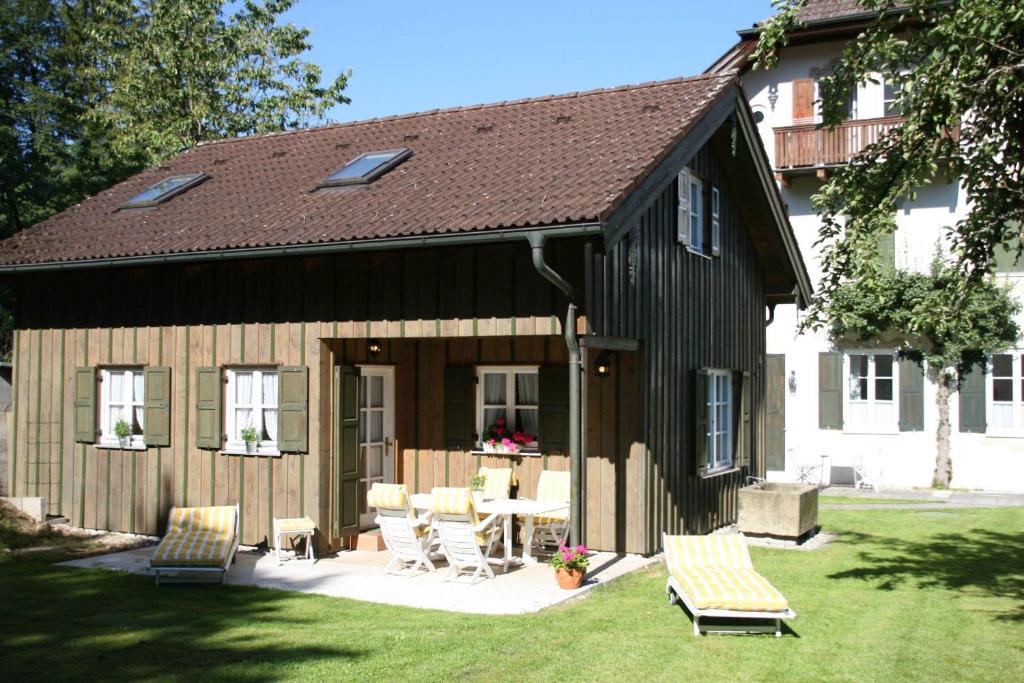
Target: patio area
[[359, 575]]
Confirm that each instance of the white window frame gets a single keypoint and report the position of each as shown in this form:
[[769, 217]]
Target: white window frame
[[107, 437], [1016, 428], [510, 406], [236, 445], [886, 101], [871, 425], [716, 460]]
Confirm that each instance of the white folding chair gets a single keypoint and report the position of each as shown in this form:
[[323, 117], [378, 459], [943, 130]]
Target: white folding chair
[[466, 541], [406, 536]]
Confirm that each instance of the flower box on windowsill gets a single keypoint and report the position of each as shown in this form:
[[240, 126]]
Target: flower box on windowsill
[[528, 454], [260, 452]]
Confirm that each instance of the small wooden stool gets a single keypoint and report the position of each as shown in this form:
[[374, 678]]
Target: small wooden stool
[[293, 529]]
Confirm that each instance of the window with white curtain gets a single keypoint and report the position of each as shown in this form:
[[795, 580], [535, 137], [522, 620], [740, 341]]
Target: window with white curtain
[[871, 392], [252, 402], [1005, 393], [719, 420], [122, 397], [511, 393]]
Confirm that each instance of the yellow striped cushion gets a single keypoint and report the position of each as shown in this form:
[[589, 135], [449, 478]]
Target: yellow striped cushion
[[552, 518], [453, 501], [220, 519], [728, 550], [389, 496], [498, 483], [553, 486], [193, 549], [296, 524], [729, 588]]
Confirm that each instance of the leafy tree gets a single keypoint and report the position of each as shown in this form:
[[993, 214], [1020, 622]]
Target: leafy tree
[[188, 73], [95, 90], [959, 70], [931, 321]]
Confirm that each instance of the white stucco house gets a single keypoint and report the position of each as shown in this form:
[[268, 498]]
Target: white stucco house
[[838, 409]]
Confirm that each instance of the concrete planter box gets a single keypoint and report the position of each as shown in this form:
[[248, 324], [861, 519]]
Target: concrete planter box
[[781, 510]]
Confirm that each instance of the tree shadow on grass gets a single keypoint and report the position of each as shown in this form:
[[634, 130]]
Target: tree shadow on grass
[[64, 624], [979, 561]]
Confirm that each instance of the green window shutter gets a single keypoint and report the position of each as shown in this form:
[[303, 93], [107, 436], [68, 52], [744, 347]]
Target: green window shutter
[[209, 433], [700, 428], [744, 435], [346, 451], [293, 409], [459, 408], [683, 209], [911, 396], [830, 390], [85, 405], [157, 428], [887, 251], [553, 418], [972, 401]]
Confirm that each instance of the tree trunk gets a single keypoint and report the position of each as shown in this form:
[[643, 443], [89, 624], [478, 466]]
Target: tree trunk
[[943, 463]]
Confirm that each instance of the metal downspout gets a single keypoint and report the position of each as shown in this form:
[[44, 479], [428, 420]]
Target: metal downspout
[[572, 344]]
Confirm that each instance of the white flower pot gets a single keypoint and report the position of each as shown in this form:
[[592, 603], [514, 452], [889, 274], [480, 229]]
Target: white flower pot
[[250, 447], [124, 441]]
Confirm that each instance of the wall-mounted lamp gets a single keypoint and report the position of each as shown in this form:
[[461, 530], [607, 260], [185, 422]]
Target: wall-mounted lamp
[[603, 364], [373, 347], [791, 382]]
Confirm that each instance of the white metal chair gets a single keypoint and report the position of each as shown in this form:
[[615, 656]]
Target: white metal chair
[[466, 541], [552, 529], [406, 536]]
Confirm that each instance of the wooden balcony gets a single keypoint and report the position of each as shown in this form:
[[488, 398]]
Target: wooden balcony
[[807, 148]]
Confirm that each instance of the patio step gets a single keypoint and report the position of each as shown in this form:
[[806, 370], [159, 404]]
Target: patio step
[[367, 540]]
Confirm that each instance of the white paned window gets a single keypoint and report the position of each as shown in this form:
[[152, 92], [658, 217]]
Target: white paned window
[[696, 204], [1005, 392], [720, 420], [252, 402], [122, 397], [871, 392], [509, 394]]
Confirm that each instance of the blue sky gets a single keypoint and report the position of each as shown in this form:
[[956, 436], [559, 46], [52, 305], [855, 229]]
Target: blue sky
[[415, 56]]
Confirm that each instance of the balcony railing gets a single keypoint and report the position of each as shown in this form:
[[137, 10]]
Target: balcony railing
[[807, 146]]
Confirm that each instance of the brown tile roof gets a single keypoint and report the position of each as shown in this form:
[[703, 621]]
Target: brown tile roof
[[544, 161], [817, 10]]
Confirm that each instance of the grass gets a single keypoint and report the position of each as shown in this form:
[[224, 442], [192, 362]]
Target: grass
[[917, 595], [860, 500]]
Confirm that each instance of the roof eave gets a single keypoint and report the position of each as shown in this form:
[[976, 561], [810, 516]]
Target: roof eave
[[435, 240]]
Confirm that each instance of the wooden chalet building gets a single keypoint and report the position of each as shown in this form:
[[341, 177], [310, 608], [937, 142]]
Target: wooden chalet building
[[370, 296]]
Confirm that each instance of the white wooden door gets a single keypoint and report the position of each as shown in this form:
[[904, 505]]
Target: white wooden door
[[376, 433]]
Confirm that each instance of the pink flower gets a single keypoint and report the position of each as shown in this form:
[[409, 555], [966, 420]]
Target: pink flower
[[490, 442], [499, 430], [581, 549], [500, 422], [567, 557], [506, 442]]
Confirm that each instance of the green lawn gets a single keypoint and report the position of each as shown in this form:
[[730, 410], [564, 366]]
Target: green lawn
[[901, 595], [857, 500]]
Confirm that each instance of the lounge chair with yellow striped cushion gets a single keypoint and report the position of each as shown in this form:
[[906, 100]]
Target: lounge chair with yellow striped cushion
[[551, 529], [198, 541], [406, 536], [466, 541], [714, 577]]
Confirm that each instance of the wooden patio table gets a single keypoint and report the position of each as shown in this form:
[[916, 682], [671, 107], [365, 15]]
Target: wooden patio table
[[508, 508]]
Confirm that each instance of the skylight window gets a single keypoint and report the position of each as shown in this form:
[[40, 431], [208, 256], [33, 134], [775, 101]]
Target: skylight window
[[367, 167], [164, 190]]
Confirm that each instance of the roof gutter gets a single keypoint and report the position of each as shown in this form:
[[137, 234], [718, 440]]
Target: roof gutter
[[831, 22], [381, 244]]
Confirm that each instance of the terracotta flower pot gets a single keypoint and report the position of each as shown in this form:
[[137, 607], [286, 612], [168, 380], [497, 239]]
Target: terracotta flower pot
[[569, 578]]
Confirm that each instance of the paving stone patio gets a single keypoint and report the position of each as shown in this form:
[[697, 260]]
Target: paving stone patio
[[359, 575]]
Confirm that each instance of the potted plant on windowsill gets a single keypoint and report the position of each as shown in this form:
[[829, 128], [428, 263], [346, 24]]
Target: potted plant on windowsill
[[251, 438], [498, 439], [570, 566], [123, 432], [476, 486]]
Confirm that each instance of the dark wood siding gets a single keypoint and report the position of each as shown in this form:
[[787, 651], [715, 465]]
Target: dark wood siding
[[280, 311], [689, 311]]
